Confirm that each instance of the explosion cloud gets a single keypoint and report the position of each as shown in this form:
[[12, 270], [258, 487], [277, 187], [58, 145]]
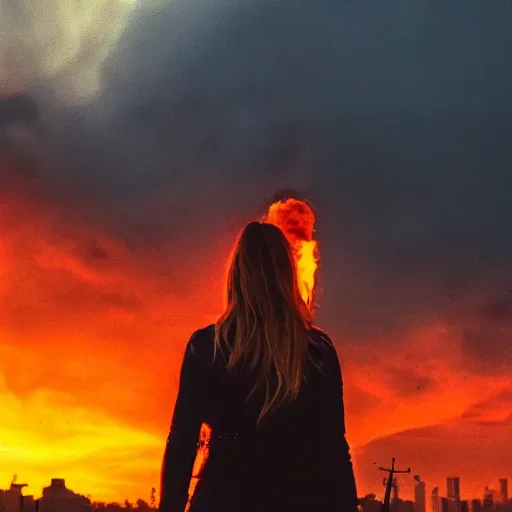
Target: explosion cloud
[[296, 219]]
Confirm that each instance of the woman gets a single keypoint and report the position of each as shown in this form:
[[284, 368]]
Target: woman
[[269, 385]]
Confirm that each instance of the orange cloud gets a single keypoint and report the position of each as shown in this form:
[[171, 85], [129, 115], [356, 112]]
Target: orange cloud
[[416, 381], [472, 451], [92, 331], [91, 335]]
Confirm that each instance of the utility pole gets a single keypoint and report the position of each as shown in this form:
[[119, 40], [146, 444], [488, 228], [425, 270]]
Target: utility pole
[[389, 485]]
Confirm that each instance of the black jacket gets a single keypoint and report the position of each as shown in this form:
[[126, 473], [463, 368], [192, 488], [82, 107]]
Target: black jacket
[[296, 460]]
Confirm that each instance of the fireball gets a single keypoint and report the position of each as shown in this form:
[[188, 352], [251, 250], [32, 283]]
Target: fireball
[[296, 219]]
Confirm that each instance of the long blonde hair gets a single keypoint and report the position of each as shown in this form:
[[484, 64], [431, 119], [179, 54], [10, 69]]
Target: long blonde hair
[[265, 322]]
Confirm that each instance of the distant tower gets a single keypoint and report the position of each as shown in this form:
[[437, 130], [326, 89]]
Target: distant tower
[[488, 501], [153, 498], [419, 495], [453, 489], [436, 500], [503, 490]]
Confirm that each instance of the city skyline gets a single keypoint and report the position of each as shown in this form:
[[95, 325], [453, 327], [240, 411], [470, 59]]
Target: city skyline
[[426, 495]]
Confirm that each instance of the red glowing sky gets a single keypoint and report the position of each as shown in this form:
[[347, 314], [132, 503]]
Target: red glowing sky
[[91, 335], [140, 160]]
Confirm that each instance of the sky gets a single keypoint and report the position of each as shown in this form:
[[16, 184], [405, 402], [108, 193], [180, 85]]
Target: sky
[[137, 138]]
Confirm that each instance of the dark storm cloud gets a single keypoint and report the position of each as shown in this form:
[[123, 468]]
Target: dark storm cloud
[[488, 337], [29, 159], [18, 109], [21, 130], [499, 310], [394, 119]]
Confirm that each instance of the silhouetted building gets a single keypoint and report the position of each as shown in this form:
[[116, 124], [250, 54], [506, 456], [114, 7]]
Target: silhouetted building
[[420, 496], [399, 505], [58, 498], [453, 492], [475, 506], [464, 506], [503, 497], [12, 500], [436, 500], [28, 504], [453, 489], [454, 506], [488, 501], [439, 504], [370, 504]]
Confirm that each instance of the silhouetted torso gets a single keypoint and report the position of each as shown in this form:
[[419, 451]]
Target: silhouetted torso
[[296, 460]]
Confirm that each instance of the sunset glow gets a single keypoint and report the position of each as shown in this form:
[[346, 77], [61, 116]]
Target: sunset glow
[[92, 334]]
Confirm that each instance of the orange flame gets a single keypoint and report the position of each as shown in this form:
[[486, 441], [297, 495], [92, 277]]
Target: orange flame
[[203, 449], [200, 461], [296, 219]]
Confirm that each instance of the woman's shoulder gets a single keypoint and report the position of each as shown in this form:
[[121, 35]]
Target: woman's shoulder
[[322, 345], [323, 353], [207, 332], [201, 342], [319, 337]]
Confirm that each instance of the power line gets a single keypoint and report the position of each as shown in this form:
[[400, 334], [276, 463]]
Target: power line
[[389, 484]]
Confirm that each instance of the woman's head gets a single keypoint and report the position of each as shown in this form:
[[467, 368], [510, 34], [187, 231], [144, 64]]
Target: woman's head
[[265, 321], [262, 275]]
